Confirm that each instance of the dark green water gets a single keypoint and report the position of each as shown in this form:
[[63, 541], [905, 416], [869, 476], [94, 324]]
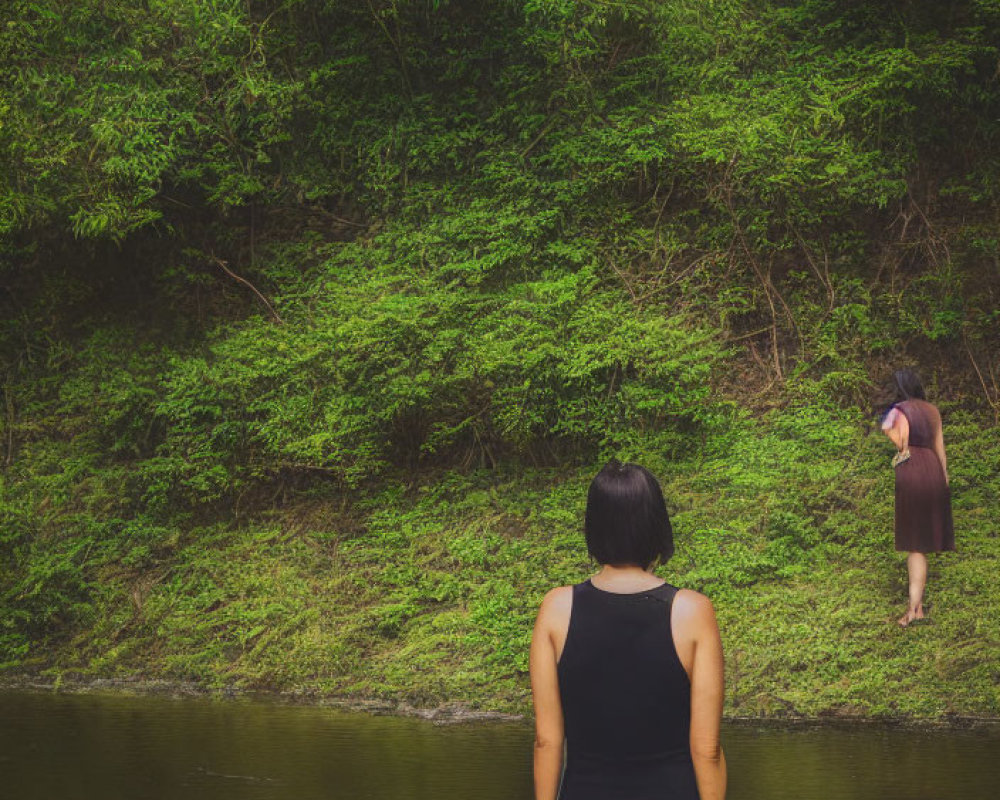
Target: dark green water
[[104, 747]]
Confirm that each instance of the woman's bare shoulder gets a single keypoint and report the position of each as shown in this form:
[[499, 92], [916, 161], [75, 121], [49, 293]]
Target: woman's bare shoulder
[[557, 603], [693, 607]]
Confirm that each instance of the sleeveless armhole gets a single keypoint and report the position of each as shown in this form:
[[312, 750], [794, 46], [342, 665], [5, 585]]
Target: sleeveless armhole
[[569, 627]]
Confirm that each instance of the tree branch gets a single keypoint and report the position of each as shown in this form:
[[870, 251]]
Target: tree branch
[[225, 268]]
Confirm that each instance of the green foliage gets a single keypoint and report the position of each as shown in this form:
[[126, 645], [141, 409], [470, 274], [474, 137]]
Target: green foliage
[[426, 264], [110, 110]]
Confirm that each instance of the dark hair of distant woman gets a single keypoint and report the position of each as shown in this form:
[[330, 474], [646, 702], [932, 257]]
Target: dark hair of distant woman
[[907, 385], [626, 520]]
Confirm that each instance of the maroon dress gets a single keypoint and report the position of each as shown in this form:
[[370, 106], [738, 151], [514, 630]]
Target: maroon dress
[[923, 499]]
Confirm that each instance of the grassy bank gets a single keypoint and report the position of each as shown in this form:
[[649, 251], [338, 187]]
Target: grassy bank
[[424, 592]]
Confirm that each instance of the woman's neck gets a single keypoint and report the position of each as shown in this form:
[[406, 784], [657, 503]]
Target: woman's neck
[[625, 578]]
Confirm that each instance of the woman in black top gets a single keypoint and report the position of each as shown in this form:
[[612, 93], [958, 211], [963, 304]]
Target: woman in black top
[[626, 670]]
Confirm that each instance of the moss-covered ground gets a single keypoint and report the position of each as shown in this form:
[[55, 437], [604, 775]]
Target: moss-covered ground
[[424, 592]]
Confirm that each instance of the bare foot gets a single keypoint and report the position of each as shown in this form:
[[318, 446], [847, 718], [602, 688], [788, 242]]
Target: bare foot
[[910, 616]]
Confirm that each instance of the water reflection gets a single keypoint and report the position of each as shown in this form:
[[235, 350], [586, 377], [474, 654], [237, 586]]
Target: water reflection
[[869, 763], [99, 747], [90, 747]]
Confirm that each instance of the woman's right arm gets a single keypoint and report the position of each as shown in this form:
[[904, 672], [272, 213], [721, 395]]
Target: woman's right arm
[[549, 730], [939, 449], [697, 617]]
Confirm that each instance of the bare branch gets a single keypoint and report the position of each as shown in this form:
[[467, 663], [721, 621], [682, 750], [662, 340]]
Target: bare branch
[[225, 268]]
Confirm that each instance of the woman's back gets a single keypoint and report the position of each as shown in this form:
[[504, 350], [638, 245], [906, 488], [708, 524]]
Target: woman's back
[[924, 422], [626, 699], [627, 672]]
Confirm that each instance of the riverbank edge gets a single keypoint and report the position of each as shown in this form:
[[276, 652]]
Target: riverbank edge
[[446, 714]]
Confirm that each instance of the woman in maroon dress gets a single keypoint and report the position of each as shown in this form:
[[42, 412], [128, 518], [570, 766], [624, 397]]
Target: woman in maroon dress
[[923, 498]]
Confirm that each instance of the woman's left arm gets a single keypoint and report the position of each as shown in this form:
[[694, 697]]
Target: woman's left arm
[[899, 431]]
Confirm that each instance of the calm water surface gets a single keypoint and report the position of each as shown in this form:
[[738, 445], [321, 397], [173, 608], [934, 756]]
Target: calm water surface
[[104, 747]]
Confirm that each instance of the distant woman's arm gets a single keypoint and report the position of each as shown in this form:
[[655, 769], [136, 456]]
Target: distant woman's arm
[[549, 731], [898, 429], [697, 617], [939, 449]]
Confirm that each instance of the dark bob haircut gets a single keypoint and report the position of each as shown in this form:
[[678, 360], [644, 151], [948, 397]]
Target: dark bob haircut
[[626, 521], [906, 383]]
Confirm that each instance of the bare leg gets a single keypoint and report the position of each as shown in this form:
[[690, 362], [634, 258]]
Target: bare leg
[[916, 566]]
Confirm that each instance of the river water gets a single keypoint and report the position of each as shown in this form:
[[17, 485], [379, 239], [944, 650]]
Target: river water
[[106, 747]]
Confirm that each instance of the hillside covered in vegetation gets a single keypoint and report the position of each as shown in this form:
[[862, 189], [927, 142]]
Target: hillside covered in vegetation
[[319, 316]]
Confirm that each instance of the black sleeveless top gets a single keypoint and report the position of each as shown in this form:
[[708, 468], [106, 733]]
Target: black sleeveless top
[[626, 699]]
